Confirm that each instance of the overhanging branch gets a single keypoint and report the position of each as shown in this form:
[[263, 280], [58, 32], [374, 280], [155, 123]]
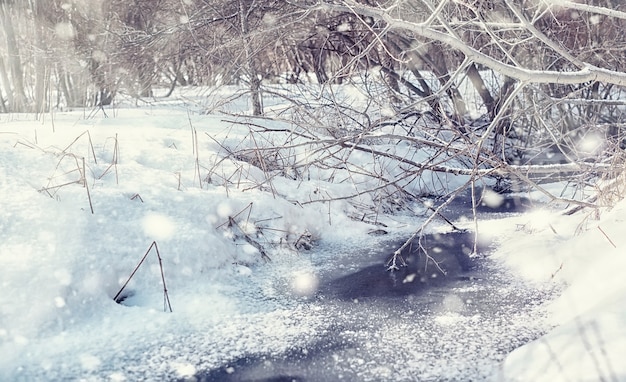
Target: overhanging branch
[[586, 74]]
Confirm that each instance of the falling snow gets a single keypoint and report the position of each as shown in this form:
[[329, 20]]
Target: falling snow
[[62, 266]]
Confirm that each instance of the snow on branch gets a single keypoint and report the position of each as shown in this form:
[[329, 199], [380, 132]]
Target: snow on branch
[[588, 8], [586, 74]]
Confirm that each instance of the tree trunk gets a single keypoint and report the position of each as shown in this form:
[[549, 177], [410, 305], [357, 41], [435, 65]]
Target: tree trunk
[[14, 61], [250, 64], [4, 83], [40, 61], [481, 88], [438, 65]]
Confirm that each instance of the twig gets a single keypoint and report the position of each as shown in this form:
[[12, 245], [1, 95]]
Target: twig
[[114, 161], [249, 240], [194, 148], [90, 145], [133, 273], [607, 237], [166, 298], [557, 271], [87, 187], [248, 207], [392, 263]]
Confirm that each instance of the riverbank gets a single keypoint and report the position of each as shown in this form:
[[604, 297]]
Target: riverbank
[[377, 325], [89, 201]]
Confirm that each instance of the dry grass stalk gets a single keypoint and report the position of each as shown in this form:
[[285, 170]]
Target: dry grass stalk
[[166, 298], [93, 153], [84, 179], [607, 237], [79, 162], [195, 151], [114, 161], [232, 224]]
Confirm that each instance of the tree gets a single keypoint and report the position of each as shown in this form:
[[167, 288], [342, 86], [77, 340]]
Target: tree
[[534, 50], [13, 76]]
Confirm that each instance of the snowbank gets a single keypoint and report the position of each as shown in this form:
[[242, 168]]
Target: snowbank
[[160, 176], [589, 339], [62, 264]]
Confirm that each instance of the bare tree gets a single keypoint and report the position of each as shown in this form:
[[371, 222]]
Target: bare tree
[[13, 75]]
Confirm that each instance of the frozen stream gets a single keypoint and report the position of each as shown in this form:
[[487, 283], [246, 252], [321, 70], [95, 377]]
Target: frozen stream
[[415, 324]]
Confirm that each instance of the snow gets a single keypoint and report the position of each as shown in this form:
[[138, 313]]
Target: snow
[[62, 265], [589, 339], [159, 175]]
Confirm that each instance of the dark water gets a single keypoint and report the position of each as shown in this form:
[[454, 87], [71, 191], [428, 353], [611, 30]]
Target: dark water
[[461, 207], [444, 258], [445, 315]]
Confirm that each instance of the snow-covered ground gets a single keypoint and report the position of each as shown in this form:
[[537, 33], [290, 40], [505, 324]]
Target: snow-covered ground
[[157, 174], [586, 253]]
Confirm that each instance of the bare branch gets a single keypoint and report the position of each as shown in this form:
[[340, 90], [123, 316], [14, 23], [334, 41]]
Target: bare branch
[[588, 8], [587, 73]]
